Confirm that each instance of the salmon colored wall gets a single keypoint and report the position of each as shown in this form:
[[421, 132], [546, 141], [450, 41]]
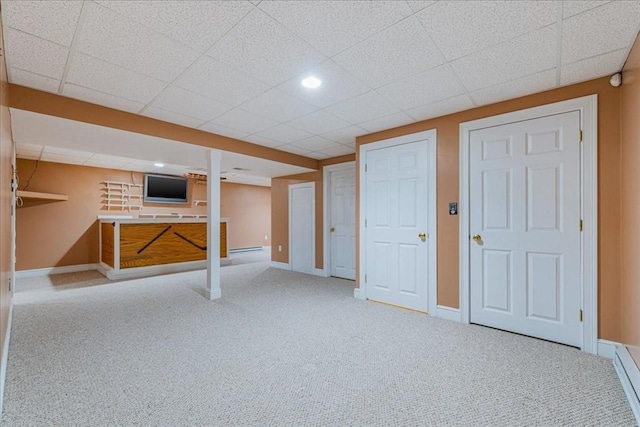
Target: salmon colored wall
[[630, 198], [6, 149], [280, 209], [64, 233], [608, 189], [248, 208]]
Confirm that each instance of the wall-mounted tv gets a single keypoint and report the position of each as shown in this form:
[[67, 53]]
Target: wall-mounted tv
[[165, 189]]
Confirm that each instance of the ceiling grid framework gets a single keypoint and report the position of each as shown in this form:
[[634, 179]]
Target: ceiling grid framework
[[234, 68]]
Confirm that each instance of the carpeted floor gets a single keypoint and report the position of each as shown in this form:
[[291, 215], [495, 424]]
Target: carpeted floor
[[282, 348]]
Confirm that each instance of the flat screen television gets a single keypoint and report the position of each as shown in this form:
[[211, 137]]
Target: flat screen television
[[165, 189]]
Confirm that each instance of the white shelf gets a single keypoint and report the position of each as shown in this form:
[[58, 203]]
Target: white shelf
[[123, 196]]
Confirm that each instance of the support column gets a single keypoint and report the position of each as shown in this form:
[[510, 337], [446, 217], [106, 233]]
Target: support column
[[213, 224]]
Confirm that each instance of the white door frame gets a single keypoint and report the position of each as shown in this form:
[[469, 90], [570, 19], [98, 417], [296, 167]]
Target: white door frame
[[587, 106], [311, 184], [326, 212], [430, 136]]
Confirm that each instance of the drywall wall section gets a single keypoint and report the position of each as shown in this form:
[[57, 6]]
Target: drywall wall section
[[608, 189], [57, 234], [630, 198], [248, 208]]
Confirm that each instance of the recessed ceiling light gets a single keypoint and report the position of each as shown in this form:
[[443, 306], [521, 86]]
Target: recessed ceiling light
[[312, 82], [158, 165]]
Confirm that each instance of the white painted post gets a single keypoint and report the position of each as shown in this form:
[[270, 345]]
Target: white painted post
[[213, 224]]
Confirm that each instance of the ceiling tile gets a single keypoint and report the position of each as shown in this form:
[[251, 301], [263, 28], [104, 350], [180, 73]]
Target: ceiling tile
[[278, 106], [34, 54], [315, 143], [538, 82], [337, 85], [318, 155], [459, 28], [295, 150], [36, 81], [189, 104], [224, 131], [362, 108], [196, 24], [388, 122], [59, 158], [597, 66], [620, 31], [51, 20], [392, 54], [265, 49], [346, 136], [527, 54], [339, 150], [332, 26], [441, 108], [262, 140], [418, 5], [107, 161], [244, 121], [117, 40], [29, 147], [107, 78], [221, 82], [318, 122], [285, 134], [570, 8], [424, 88], [67, 152], [88, 95], [172, 117]]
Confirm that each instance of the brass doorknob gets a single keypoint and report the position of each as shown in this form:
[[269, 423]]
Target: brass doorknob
[[477, 237], [422, 236], [332, 229]]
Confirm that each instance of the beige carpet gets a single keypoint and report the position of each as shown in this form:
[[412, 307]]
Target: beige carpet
[[283, 348]]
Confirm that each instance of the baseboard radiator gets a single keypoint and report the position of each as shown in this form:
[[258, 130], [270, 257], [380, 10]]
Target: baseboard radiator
[[629, 374]]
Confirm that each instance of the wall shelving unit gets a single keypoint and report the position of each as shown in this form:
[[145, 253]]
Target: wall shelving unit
[[123, 196]]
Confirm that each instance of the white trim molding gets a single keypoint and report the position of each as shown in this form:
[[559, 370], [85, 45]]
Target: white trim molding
[[607, 348], [587, 106], [629, 374], [311, 184], [448, 313], [321, 272], [431, 137], [280, 265], [5, 355], [358, 294], [40, 272]]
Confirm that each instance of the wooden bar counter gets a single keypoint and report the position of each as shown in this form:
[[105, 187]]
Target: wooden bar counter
[[138, 247]]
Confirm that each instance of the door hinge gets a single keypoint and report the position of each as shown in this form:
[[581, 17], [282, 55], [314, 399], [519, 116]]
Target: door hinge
[[365, 167], [581, 315], [365, 223], [580, 135], [365, 278], [580, 225]]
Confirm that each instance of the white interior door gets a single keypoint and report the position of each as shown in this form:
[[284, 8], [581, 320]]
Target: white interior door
[[342, 222], [302, 227], [525, 253], [397, 255]]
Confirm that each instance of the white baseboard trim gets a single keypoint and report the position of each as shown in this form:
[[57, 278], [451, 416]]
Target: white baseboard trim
[[320, 272], [448, 313], [138, 272], [5, 355], [607, 348], [38, 272], [249, 249], [358, 294], [281, 265], [629, 374]]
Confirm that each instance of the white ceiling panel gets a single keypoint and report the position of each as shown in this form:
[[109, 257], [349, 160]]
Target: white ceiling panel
[[28, 155], [52, 20], [395, 53], [318, 122], [424, 88], [538, 82], [196, 24], [95, 97], [265, 49], [172, 117], [318, 155], [339, 150], [346, 136], [315, 143], [337, 85], [263, 140], [278, 106], [285, 134], [34, 54], [459, 28], [362, 108], [621, 18], [224, 131], [221, 82], [189, 104], [120, 41], [332, 26], [418, 5], [527, 54], [36, 81], [388, 122], [442, 108], [574, 7], [594, 67], [244, 121], [107, 78], [294, 150]]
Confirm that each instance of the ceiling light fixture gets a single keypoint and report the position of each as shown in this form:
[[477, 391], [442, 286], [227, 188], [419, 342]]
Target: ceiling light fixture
[[312, 82], [158, 165]]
